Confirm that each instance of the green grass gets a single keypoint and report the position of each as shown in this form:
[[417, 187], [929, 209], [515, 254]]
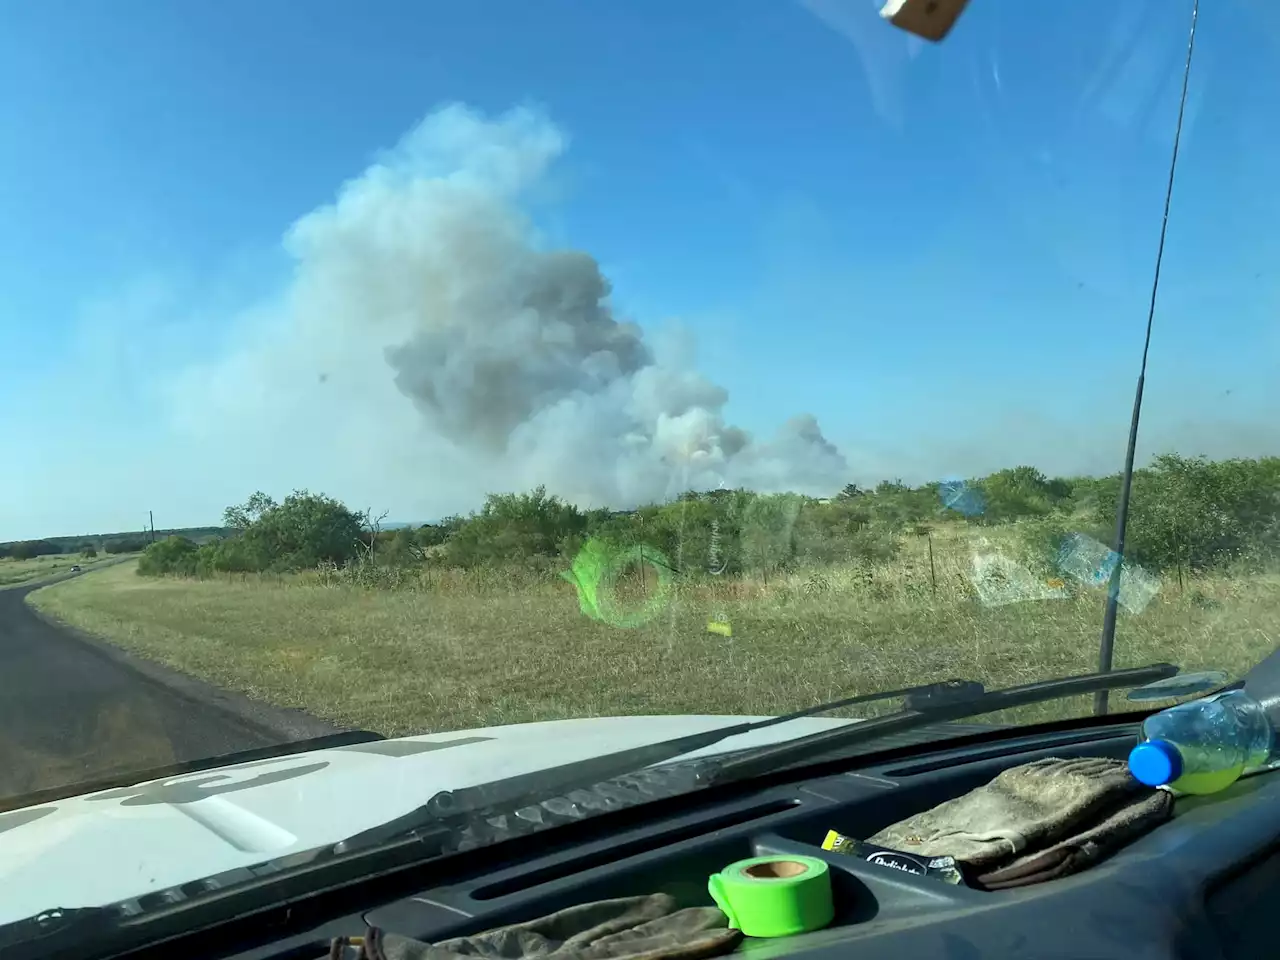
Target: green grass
[[462, 650], [16, 572]]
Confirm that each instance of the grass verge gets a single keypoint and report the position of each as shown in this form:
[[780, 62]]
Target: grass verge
[[16, 573], [461, 653]]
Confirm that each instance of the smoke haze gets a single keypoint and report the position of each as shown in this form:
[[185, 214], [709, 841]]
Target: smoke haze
[[428, 345], [427, 327]]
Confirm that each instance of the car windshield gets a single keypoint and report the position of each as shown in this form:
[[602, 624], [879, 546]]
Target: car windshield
[[540, 380]]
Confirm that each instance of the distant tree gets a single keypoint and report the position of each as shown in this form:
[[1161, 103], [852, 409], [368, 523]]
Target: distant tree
[[88, 550], [29, 549], [434, 534], [403, 548], [1194, 514], [173, 555], [768, 533], [126, 545], [303, 531], [842, 531], [515, 527], [225, 555], [241, 515], [850, 491], [698, 535], [1059, 489], [1015, 493]]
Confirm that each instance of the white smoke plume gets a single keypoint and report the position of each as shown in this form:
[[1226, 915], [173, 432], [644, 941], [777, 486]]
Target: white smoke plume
[[429, 335]]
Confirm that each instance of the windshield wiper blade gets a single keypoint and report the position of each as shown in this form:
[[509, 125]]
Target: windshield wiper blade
[[775, 756], [456, 807], [949, 699]]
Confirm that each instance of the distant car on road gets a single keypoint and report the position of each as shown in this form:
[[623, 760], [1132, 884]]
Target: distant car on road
[[75, 568]]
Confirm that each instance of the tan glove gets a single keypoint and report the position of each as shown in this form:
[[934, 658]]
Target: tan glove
[[1079, 809], [1132, 818], [631, 928]]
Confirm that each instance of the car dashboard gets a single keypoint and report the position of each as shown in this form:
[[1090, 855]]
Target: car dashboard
[[1201, 885]]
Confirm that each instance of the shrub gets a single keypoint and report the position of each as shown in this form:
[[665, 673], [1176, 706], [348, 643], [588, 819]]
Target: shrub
[[228, 555], [300, 533], [1192, 513], [768, 533], [1018, 492], [436, 534], [513, 528], [173, 555], [29, 549], [1039, 542]]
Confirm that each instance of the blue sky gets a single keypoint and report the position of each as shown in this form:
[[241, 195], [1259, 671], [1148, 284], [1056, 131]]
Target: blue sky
[[943, 253]]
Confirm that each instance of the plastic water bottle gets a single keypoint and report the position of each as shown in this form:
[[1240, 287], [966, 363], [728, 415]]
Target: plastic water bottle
[[1206, 745]]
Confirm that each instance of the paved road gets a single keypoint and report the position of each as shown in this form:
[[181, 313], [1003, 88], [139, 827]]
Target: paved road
[[71, 710]]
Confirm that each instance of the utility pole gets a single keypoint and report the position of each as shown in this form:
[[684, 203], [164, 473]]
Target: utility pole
[[151, 518]]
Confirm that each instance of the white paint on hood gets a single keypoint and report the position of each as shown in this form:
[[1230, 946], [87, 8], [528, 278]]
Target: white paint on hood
[[121, 843]]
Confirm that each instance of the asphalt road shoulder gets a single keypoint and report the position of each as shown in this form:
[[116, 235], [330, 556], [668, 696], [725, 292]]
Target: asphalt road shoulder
[[76, 708]]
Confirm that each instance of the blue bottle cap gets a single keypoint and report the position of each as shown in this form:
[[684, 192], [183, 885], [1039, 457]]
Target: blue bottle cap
[[1155, 763]]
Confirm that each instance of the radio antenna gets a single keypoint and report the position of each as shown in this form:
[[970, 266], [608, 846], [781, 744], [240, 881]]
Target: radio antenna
[[1106, 645]]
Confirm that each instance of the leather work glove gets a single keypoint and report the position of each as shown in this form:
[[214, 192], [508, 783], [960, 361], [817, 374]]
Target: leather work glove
[[1034, 822], [630, 928]]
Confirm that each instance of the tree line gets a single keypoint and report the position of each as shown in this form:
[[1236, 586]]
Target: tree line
[[30, 549], [90, 545], [1188, 513]]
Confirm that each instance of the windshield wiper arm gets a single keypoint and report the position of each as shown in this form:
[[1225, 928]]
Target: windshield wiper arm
[[450, 807], [949, 699], [774, 756], [587, 773]]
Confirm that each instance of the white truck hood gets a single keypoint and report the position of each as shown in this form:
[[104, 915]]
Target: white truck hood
[[116, 844]]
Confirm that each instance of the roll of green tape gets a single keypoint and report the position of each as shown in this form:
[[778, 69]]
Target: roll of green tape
[[774, 896]]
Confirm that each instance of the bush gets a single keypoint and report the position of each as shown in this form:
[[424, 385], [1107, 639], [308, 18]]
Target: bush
[[29, 549], [873, 545], [513, 528], [436, 534], [241, 516], [228, 555], [1196, 514], [173, 555], [400, 549], [300, 533], [768, 533], [895, 506], [697, 536], [1040, 542], [845, 531], [1018, 492], [303, 532]]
